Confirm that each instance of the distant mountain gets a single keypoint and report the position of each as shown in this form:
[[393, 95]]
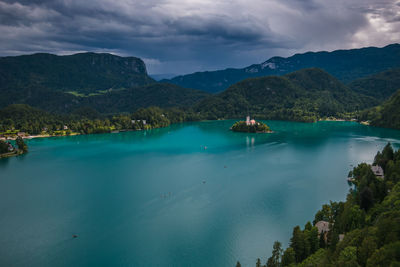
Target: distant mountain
[[81, 73], [380, 86], [346, 65], [159, 77], [386, 115], [304, 95]]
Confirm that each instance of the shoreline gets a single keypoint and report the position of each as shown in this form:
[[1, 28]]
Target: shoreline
[[37, 136], [132, 130], [11, 154]]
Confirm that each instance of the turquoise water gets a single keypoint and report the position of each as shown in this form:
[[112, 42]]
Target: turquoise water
[[159, 198]]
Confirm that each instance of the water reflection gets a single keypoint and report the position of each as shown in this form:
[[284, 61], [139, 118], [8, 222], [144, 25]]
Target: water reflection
[[250, 141]]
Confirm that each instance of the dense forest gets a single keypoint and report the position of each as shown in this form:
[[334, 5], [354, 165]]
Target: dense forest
[[362, 231], [23, 118], [111, 101], [379, 86], [385, 115]]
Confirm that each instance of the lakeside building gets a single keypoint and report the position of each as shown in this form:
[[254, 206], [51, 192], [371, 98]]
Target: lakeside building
[[22, 134], [378, 171], [10, 147], [143, 121], [323, 228]]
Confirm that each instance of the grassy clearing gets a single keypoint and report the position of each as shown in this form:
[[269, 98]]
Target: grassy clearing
[[98, 92]]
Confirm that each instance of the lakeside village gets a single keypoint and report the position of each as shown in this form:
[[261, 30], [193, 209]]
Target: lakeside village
[[250, 126], [12, 141], [66, 131]]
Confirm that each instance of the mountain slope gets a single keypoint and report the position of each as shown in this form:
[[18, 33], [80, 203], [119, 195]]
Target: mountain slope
[[126, 100], [159, 94], [304, 95], [82, 73], [380, 86], [346, 65]]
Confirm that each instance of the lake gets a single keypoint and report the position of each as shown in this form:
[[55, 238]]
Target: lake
[[193, 194]]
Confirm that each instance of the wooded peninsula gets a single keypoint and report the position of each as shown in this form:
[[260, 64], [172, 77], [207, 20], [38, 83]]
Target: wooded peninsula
[[362, 231]]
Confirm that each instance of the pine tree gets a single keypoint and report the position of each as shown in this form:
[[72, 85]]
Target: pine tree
[[313, 239], [308, 226], [322, 243], [387, 152], [333, 239], [275, 259], [297, 242], [258, 263], [21, 144], [288, 257], [366, 198]]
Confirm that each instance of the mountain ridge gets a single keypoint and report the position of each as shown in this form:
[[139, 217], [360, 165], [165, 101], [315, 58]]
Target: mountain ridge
[[346, 65], [82, 72]]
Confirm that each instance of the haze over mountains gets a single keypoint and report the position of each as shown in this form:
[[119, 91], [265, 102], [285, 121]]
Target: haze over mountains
[[303, 87], [345, 65]]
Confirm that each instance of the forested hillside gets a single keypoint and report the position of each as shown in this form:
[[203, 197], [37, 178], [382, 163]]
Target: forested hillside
[[33, 121], [304, 95], [380, 86], [116, 101], [159, 94], [362, 231], [386, 115]]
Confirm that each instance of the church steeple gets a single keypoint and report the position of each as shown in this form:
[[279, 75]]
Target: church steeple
[[248, 120]]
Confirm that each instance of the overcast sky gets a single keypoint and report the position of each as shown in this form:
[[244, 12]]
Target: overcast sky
[[183, 36]]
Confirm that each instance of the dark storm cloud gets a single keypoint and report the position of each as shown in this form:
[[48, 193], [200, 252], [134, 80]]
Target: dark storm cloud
[[184, 36]]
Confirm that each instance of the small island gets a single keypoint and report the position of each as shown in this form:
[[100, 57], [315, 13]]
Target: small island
[[250, 126], [8, 150]]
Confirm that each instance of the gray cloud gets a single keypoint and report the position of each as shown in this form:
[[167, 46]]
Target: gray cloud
[[184, 36]]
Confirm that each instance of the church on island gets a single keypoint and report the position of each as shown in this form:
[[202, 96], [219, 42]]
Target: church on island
[[250, 122], [250, 126]]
